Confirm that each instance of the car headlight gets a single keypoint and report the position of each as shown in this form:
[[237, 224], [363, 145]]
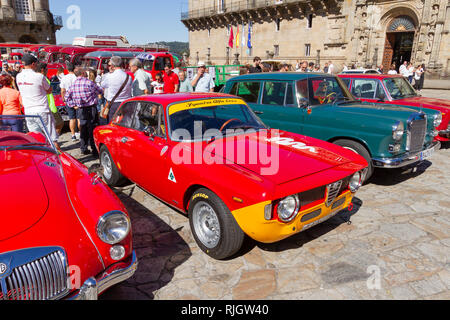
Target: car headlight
[[113, 227], [438, 120], [288, 208], [355, 182], [398, 131]]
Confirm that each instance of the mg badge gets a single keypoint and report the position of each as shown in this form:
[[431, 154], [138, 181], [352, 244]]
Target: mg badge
[[3, 268]]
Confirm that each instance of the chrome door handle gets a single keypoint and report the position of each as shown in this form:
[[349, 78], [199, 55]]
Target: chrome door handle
[[124, 140], [259, 112]]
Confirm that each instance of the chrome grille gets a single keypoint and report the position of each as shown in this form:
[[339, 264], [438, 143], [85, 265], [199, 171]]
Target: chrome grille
[[333, 191], [417, 130], [45, 278]]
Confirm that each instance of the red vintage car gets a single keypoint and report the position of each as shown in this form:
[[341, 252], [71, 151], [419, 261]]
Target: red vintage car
[[395, 89], [210, 157], [65, 234]]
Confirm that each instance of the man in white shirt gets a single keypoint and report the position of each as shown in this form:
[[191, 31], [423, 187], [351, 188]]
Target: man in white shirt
[[404, 69], [66, 82], [142, 80], [34, 88], [330, 67], [112, 84], [203, 82]]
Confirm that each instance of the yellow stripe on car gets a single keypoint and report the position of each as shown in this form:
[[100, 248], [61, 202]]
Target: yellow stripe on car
[[202, 104]]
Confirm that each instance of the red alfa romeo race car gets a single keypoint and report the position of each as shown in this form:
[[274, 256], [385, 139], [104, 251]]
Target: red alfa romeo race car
[[210, 157], [64, 234]]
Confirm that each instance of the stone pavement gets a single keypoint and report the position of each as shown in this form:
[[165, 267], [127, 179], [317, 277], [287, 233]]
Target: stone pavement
[[397, 247]]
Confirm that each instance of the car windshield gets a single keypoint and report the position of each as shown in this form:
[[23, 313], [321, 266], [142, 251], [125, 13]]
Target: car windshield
[[399, 88], [324, 90], [199, 120], [24, 133]]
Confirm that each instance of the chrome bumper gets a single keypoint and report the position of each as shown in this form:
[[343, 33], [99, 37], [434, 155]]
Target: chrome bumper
[[445, 133], [93, 287], [404, 160]]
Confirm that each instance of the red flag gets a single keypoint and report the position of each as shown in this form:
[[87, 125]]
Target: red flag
[[231, 40]]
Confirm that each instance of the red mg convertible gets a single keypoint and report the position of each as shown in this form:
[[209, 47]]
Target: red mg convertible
[[64, 233], [210, 157], [395, 89]]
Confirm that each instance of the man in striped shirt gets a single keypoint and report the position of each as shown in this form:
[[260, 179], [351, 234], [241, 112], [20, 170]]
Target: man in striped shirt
[[83, 97]]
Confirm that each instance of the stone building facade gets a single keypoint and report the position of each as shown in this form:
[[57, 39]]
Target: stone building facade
[[362, 32], [28, 21]]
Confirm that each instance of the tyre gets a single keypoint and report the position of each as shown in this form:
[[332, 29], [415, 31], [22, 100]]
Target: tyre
[[111, 174], [359, 149], [213, 226]]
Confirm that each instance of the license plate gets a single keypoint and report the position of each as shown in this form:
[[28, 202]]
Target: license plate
[[426, 154], [315, 223]]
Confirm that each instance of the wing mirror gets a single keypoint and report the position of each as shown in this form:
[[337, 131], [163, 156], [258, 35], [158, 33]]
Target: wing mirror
[[150, 132], [303, 103], [382, 97]]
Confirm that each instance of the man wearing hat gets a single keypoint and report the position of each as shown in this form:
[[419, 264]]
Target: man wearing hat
[[34, 88], [203, 82]]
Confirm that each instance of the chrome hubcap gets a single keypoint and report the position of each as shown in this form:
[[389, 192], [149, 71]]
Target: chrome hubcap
[[206, 224], [107, 165]]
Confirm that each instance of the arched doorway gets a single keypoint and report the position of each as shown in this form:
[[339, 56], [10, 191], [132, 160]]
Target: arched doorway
[[2, 40], [27, 39], [399, 42]]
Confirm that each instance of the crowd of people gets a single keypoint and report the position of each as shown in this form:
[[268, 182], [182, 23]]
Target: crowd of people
[[415, 75], [90, 99], [301, 66]]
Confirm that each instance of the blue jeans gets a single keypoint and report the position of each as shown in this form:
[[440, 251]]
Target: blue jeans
[[15, 124]]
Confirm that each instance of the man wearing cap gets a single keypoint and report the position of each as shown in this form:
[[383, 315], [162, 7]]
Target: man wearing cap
[[34, 88], [203, 82]]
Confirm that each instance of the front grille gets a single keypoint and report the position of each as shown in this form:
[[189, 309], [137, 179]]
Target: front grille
[[44, 278], [333, 191], [417, 130]]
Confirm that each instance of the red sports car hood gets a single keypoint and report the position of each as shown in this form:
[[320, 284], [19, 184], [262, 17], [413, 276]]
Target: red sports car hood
[[22, 192], [417, 101], [281, 157]]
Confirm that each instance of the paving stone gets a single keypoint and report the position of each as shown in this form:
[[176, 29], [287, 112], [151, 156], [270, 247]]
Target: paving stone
[[429, 286], [403, 293], [255, 285], [404, 231]]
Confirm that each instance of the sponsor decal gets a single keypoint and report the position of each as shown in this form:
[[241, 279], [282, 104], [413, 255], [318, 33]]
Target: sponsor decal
[[291, 143], [202, 104]]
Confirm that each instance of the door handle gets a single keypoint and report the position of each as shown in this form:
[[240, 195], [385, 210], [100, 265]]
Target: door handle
[[124, 140], [259, 112]]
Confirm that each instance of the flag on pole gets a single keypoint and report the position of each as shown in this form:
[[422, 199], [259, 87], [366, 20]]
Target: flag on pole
[[243, 36], [231, 40], [238, 34], [249, 42]]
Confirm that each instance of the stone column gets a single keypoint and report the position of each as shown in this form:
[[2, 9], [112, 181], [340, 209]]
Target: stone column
[[434, 65], [7, 9]]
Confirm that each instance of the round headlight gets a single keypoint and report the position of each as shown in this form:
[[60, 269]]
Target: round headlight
[[438, 120], [113, 227], [288, 208], [355, 182], [398, 131]]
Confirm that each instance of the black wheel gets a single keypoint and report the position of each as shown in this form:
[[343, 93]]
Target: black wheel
[[359, 149], [111, 174], [214, 228]]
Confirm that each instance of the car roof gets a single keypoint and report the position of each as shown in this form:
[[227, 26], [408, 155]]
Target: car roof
[[280, 76], [109, 54], [370, 76], [166, 99]]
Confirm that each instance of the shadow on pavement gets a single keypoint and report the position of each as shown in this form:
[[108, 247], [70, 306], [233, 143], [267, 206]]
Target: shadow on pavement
[[390, 177], [298, 240], [445, 145], [159, 248]]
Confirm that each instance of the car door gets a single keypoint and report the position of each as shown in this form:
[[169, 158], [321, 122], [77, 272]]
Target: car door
[[141, 147]]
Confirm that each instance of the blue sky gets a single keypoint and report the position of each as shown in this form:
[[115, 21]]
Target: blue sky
[[141, 21]]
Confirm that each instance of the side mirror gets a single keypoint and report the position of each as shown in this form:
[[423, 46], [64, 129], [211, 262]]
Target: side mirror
[[382, 97], [150, 132], [303, 103]]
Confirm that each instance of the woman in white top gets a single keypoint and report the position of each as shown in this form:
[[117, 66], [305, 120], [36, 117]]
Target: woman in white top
[[392, 70], [410, 72], [417, 76]]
